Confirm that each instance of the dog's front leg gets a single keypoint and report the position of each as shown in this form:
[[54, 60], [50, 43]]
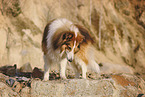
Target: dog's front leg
[[46, 68], [63, 64], [83, 67], [84, 70]]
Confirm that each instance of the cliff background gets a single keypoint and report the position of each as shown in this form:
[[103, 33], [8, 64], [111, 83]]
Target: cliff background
[[118, 26]]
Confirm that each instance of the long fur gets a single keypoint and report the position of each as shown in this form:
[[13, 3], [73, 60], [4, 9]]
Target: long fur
[[65, 41]]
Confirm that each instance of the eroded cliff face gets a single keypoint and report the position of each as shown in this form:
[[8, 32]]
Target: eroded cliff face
[[118, 26]]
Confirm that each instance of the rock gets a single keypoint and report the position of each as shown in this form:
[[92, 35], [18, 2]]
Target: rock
[[16, 84], [17, 87], [54, 75], [3, 76], [22, 79], [86, 88], [120, 85], [129, 85], [6, 91], [26, 68], [37, 73], [114, 85], [8, 70], [24, 74], [50, 88], [10, 82], [25, 92]]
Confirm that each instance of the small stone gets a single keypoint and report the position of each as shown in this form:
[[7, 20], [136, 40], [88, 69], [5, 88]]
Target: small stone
[[9, 70], [26, 68], [37, 73], [18, 87], [24, 74], [23, 79], [10, 82]]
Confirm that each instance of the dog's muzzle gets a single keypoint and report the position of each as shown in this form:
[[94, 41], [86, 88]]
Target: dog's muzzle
[[70, 60]]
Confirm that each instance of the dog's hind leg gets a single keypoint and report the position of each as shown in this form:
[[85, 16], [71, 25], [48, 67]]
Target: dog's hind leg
[[63, 64], [46, 68], [84, 71], [83, 67], [95, 66]]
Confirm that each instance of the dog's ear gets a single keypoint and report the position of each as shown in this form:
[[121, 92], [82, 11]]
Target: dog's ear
[[80, 38], [85, 33], [58, 39]]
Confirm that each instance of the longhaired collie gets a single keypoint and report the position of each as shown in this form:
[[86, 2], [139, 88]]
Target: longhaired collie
[[65, 42]]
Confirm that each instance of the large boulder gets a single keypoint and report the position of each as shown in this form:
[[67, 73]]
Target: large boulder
[[119, 85], [114, 85]]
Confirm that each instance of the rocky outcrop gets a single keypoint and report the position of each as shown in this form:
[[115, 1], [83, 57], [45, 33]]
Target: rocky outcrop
[[21, 82], [118, 85], [115, 86]]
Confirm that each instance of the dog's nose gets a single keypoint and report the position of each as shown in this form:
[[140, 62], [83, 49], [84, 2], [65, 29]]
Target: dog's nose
[[70, 60]]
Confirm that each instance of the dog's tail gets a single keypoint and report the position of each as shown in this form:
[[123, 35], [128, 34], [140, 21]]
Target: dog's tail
[[92, 60]]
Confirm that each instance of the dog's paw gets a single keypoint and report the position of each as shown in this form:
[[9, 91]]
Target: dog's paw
[[63, 78], [45, 80]]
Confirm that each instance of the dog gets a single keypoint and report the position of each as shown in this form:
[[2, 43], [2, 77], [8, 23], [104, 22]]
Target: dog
[[65, 42]]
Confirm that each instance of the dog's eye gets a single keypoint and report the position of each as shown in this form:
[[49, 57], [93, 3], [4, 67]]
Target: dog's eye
[[69, 47], [79, 46]]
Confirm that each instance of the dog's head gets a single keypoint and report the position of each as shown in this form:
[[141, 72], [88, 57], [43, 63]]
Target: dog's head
[[69, 43]]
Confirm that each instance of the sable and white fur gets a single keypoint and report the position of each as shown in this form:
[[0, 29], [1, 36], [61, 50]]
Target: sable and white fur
[[63, 42]]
